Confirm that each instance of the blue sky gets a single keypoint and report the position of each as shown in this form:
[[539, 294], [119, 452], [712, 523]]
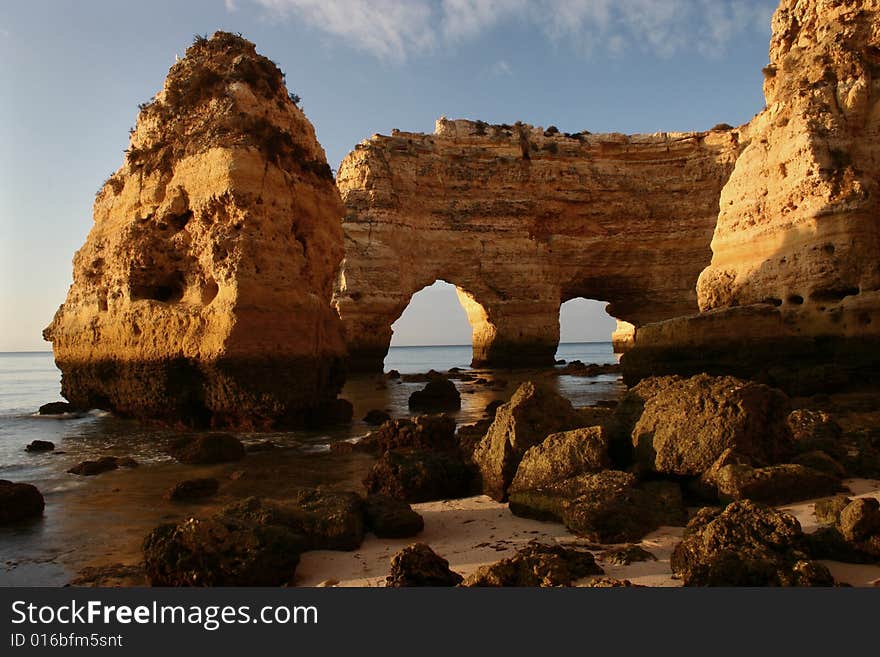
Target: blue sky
[[73, 72]]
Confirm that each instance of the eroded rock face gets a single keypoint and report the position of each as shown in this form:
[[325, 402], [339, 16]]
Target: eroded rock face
[[794, 283], [202, 293], [521, 220], [537, 565]]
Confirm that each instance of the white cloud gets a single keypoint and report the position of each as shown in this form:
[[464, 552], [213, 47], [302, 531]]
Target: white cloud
[[230, 5], [501, 68], [396, 29]]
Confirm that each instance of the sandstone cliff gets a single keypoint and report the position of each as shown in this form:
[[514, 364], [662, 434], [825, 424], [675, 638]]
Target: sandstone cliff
[[521, 220], [794, 274], [202, 293]]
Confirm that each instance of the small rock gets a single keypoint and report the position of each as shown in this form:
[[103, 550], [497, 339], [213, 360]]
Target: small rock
[[438, 395], [626, 555], [537, 565], [59, 408], [92, 468], [828, 510], [207, 448], [19, 502], [194, 489], [393, 375], [419, 565], [40, 446]]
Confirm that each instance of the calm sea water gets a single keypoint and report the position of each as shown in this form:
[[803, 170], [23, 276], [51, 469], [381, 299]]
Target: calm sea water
[[95, 519]]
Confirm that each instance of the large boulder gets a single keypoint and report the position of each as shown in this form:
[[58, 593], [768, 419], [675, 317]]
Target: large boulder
[[207, 449], [227, 550], [606, 507], [102, 465], [537, 565], [325, 520], [746, 544], [388, 517], [438, 395], [419, 476], [40, 446], [533, 413], [563, 455], [775, 484], [685, 425], [19, 502], [419, 565]]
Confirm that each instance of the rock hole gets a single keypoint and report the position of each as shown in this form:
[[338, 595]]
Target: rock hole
[[167, 290], [209, 291], [773, 301], [834, 294], [828, 248], [179, 221], [796, 300]]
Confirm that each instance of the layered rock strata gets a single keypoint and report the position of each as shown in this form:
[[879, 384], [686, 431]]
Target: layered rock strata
[[202, 293], [794, 281], [520, 220]]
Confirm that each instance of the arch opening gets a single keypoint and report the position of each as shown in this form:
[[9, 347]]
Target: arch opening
[[585, 331], [436, 329]]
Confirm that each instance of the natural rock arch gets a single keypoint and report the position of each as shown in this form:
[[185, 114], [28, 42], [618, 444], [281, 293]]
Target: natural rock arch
[[624, 219]]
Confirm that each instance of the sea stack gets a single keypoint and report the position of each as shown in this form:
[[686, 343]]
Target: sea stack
[[792, 294], [202, 294]]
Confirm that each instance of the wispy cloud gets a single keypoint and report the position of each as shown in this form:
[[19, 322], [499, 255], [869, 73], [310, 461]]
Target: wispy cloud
[[501, 68], [396, 29]]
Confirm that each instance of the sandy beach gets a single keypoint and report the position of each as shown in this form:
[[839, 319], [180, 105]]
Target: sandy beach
[[477, 531]]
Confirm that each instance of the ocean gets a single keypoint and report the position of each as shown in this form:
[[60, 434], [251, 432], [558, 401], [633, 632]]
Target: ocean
[[91, 521]]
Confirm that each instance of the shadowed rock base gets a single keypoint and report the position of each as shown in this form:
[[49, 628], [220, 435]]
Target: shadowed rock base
[[799, 366], [241, 393]]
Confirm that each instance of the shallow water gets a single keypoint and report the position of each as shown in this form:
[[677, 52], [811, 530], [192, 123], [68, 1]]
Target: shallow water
[[103, 519]]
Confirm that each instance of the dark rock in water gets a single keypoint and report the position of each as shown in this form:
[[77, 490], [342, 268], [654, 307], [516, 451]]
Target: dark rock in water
[[59, 408], [626, 555], [431, 375], [816, 431], [828, 511], [226, 550], [388, 517], [607, 403], [438, 395], [419, 565], [19, 502], [561, 361], [419, 476], [682, 426], [533, 413], [376, 417], [126, 462], [746, 544], [577, 368], [561, 456], [393, 375], [537, 565], [207, 448], [606, 507], [194, 489], [429, 432], [92, 468], [40, 446], [776, 484]]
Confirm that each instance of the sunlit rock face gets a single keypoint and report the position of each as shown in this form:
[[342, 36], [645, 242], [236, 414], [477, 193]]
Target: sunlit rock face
[[521, 220], [795, 271], [202, 293]]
